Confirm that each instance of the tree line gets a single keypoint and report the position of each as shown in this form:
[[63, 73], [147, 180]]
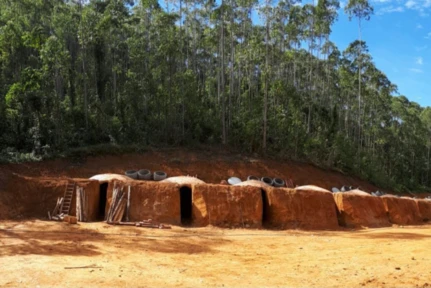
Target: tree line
[[79, 73]]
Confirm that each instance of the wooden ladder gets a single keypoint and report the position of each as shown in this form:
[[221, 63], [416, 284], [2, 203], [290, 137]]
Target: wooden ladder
[[67, 200]]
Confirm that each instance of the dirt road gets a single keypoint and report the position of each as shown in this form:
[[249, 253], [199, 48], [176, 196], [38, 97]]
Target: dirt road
[[36, 253]]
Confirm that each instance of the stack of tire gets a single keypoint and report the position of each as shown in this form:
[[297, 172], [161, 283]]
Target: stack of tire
[[145, 174], [276, 182]]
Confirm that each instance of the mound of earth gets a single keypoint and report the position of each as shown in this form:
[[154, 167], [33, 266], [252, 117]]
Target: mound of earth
[[402, 210], [211, 165], [424, 207], [300, 209], [26, 197], [227, 206], [359, 209]]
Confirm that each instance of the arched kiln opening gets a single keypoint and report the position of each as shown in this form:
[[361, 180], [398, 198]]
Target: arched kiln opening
[[102, 200], [265, 207], [186, 205]]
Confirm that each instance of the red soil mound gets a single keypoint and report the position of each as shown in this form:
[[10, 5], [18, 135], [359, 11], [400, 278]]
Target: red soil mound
[[357, 209], [402, 210], [150, 200], [424, 209], [26, 197], [211, 165], [227, 206], [300, 209]]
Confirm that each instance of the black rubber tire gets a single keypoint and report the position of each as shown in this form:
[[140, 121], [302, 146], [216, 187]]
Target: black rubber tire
[[131, 174], [144, 174], [251, 177], [267, 180], [277, 182], [159, 176]]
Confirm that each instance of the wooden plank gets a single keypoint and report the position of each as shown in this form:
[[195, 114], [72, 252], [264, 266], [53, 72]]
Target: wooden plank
[[116, 204], [117, 207], [128, 204], [58, 208], [121, 210], [85, 204], [78, 204], [113, 203]]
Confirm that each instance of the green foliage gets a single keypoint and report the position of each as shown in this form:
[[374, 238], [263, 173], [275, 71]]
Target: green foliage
[[106, 77]]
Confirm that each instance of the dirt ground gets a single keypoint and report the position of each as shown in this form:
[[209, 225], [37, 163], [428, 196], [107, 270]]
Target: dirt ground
[[41, 253], [210, 165], [37, 253]]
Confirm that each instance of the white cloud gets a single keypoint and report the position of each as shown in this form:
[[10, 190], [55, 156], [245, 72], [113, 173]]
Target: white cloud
[[421, 6], [390, 9], [428, 36], [415, 70], [382, 1], [419, 26], [411, 4], [419, 61]]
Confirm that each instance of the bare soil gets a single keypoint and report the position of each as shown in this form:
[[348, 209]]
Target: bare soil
[[38, 253], [211, 165]]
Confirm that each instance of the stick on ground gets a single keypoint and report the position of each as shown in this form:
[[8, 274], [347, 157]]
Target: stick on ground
[[83, 267]]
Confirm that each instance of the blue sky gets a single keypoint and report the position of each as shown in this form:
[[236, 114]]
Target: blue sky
[[398, 36]]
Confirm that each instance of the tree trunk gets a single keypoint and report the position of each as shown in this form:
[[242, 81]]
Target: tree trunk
[[265, 101], [85, 89], [223, 113]]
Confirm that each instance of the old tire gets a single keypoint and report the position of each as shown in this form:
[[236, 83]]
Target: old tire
[[159, 176], [267, 180], [132, 174], [251, 177], [277, 182], [144, 174]]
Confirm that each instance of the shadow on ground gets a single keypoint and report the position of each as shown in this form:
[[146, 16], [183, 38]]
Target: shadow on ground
[[63, 239]]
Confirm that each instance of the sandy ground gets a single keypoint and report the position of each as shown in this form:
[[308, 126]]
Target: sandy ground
[[38, 253]]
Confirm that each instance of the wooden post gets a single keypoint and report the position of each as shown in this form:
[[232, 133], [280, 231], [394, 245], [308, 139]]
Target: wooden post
[[128, 205]]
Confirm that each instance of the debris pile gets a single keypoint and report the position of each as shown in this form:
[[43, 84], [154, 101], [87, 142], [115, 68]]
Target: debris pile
[[145, 224]]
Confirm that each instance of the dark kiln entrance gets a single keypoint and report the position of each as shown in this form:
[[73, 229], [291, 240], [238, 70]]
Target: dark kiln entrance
[[102, 201], [186, 205], [264, 207]]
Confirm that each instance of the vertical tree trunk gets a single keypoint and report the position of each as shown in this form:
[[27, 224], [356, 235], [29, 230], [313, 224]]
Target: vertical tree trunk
[[232, 54], [265, 100], [359, 85], [223, 113], [85, 88]]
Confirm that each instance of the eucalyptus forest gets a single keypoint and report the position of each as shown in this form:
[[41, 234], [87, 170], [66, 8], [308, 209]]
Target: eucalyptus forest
[[260, 76]]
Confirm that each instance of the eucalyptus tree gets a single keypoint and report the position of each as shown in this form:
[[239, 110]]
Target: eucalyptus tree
[[362, 10]]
